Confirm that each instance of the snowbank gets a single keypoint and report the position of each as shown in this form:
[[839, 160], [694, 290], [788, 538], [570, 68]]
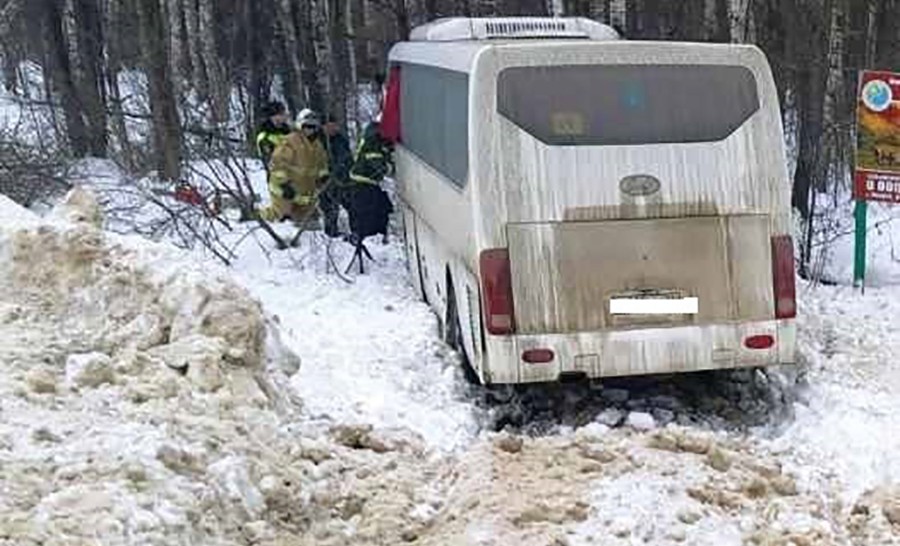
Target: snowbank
[[844, 439], [118, 373], [144, 400]]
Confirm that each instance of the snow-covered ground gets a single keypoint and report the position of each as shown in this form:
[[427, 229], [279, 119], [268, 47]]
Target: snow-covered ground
[[131, 450], [851, 412], [882, 245], [145, 399], [370, 348], [826, 476]]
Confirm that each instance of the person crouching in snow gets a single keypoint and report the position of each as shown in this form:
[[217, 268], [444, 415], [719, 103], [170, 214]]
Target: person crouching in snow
[[299, 166]]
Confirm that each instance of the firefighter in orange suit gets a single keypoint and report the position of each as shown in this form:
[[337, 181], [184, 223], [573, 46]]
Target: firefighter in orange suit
[[298, 169]]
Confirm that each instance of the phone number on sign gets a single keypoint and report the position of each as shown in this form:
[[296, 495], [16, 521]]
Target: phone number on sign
[[878, 187], [883, 185]]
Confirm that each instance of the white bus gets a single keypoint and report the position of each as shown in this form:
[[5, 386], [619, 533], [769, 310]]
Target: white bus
[[577, 204]]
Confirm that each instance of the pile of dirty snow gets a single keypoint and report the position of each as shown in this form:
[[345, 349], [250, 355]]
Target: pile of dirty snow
[[626, 486], [144, 399]]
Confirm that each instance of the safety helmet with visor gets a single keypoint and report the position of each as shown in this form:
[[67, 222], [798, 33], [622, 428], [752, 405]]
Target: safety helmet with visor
[[308, 121]]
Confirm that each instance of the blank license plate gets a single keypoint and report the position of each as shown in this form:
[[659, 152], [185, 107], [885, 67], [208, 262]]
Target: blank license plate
[[654, 306]]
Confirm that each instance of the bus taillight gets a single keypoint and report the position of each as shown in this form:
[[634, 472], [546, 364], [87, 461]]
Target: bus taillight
[[783, 276], [390, 109], [496, 283]]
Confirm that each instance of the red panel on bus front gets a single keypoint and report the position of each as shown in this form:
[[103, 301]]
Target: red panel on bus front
[[390, 111]]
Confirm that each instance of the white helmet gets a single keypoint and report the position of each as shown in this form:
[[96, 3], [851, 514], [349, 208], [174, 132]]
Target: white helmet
[[307, 117]]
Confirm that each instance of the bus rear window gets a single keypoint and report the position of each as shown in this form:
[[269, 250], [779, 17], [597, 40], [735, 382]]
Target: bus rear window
[[600, 105]]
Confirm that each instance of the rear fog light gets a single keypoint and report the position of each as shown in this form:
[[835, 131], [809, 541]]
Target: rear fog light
[[759, 342], [537, 356]]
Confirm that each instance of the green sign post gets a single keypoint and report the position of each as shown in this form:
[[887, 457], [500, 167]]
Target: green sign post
[[859, 259]]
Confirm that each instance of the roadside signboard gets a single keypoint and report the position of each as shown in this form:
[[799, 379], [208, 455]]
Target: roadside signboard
[[877, 175], [877, 170]]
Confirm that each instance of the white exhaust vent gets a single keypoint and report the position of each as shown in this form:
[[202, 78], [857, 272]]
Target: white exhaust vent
[[487, 28]]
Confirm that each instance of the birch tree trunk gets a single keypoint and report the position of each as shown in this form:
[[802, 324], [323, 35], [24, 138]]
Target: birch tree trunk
[[556, 8], [314, 52], [114, 102], [218, 89], [354, 82], [872, 33], [193, 49], [179, 45], [837, 142]]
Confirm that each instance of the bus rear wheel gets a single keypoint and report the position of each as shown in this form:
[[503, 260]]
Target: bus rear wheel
[[453, 335]]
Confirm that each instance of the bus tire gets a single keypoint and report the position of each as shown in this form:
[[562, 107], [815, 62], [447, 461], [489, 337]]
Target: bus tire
[[452, 334], [413, 263]]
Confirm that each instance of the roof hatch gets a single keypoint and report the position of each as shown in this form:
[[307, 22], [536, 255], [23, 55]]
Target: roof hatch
[[486, 28]]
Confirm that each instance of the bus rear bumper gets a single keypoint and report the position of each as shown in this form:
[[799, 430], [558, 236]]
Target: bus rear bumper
[[641, 351]]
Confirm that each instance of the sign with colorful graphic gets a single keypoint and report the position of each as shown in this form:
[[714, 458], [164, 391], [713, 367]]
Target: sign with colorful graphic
[[878, 138]]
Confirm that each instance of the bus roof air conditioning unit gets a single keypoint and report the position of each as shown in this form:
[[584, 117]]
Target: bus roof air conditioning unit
[[486, 28]]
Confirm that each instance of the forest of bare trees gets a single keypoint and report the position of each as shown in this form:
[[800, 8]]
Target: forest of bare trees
[[208, 65]]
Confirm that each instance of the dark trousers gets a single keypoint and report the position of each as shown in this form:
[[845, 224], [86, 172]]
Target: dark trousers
[[330, 202]]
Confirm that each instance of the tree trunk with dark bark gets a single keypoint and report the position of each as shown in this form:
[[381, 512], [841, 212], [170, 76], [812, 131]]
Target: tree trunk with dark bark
[[167, 136], [90, 74], [57, 62]]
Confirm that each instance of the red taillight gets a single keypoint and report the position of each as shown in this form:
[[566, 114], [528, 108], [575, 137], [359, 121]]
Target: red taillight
[[390, 109], [537, 356], [759, 342], [783, 277], [496, 283]]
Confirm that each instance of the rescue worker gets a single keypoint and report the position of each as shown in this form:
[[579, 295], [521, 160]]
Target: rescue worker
[[369, 206], [373, 160], [340, 159], [299, 167], [272, 131]]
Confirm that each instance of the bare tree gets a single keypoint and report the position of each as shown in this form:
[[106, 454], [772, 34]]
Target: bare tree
[[722, 20], [166, 126], [89, 73], [218, 89], [887, 20], [56, 59], [322, 52], [808, 45], [339, 80], [114, 102]]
